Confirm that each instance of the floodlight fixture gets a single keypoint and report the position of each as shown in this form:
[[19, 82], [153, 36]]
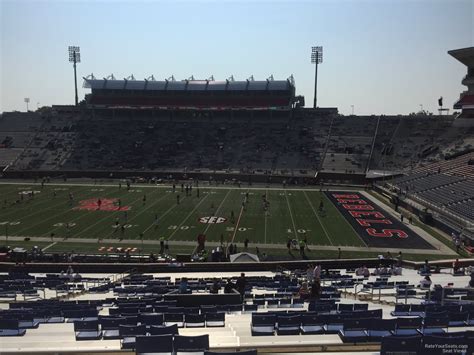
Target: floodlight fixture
[[75, 57], [317, 55], [316, 58]]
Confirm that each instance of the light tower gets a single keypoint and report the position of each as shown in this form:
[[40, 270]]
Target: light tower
[[75, 57], [27, 101], [316, 58]]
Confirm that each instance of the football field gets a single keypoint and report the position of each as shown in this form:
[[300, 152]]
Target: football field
[[146, 213]]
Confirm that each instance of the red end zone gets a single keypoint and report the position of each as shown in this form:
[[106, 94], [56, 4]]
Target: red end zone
[[105, 204], [375, 226]]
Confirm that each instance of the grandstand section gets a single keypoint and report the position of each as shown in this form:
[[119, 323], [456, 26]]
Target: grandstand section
[[445, 190], [295, 142], [192, 93]]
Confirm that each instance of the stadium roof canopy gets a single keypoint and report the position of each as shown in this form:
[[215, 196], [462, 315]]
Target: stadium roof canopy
[[188, 85], [464, 55]]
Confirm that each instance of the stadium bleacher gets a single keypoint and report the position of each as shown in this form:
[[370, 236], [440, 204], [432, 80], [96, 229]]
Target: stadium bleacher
[[138, 313], [240, 141]]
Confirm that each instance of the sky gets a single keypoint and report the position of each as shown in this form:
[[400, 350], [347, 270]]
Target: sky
[[381, 56]]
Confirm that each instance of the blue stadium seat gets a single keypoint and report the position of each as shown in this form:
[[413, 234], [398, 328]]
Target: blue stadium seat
[[401, 310], [434, 325], [128, 334], [355, 330], [163, 330], [333, 323], [215, 319], [263, 324], [154, 344], [408, 326], [10, 327], [87, 330], [288, 324], [174, 318], [244, 352], [379, 328], [198, 343], [398, 345], [151, 318], [194, 320], [311, 323], [458, 319]]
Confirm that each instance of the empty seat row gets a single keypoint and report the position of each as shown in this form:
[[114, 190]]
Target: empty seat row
[[306, 323]]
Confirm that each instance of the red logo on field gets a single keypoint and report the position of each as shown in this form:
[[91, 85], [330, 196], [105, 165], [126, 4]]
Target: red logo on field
[[105, 204]]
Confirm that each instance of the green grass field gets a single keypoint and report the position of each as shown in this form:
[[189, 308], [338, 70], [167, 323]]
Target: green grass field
[[291, 213]]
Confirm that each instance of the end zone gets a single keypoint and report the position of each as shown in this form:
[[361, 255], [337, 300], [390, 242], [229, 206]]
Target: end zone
[[375, 226]]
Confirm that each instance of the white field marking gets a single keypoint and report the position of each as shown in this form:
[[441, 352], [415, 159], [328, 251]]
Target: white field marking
[[189, 215], [217, 211], [67, 210], [202, 187], [237, 225], [49, 246], [108, 216], [40, 201], [291, 215], [350, 225], [163, 215], [238, 221], [319, 220]]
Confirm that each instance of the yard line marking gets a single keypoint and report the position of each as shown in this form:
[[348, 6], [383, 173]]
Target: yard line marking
[[163, 215], [237, 225], [54, 216], [238, 221], [319, 220], [291, 215], [39, 201], [106, 217], [189, 215], [345, 220], [218, 208], [144, 210], [49, 246]]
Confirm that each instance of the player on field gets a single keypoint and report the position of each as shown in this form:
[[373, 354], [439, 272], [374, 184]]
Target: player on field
[[156, 221], [144, 199], [162, 245], [177, 199]]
